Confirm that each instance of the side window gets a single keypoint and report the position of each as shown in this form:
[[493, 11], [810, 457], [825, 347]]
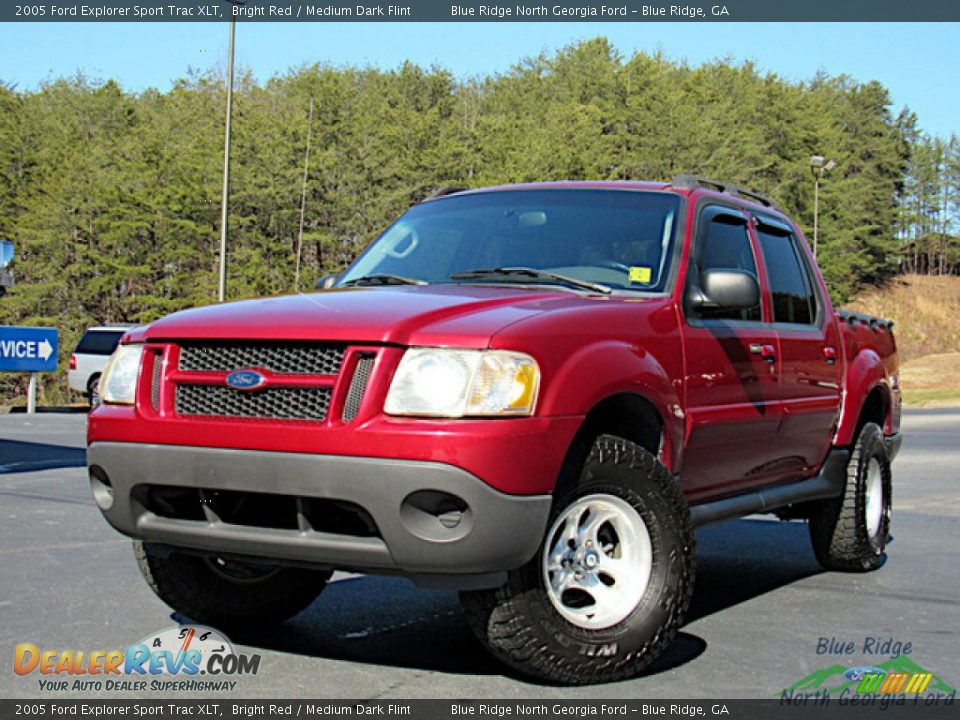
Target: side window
[[725, 243], [790, 286]]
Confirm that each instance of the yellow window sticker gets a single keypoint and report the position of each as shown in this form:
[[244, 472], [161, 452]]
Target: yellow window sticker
[[640, 274]]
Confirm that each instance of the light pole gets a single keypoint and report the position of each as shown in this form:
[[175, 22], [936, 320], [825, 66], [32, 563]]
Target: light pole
[[303, 200], [222, 286], [819, 166]]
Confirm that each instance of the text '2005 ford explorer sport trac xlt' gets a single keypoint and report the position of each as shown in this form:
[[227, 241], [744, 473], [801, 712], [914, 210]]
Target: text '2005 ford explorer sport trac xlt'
[[532, 394]]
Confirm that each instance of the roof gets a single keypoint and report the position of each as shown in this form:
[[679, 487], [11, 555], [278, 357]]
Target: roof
[[571, 185], [682, 185], [113, 327]]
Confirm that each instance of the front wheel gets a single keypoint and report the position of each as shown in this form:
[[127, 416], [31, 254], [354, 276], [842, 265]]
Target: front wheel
[[608, 590], [225, 593], [850, 533]]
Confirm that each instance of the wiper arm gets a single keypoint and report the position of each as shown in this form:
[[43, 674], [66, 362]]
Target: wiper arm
[[507, 273], [383, 279]]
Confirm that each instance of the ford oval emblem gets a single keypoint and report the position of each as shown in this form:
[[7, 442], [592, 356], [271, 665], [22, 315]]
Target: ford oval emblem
[[245, 380]]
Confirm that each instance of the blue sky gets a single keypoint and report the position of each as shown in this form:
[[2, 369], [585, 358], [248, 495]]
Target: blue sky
[[918, 62]]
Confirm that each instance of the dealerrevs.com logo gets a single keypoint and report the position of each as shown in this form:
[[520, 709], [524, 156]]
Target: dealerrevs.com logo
[[188, 658]]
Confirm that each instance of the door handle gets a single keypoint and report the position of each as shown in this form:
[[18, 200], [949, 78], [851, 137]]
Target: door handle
[[767, 352], [830, 354]]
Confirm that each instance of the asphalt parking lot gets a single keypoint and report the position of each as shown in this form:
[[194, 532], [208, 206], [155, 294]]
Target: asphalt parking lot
[[761, 607]]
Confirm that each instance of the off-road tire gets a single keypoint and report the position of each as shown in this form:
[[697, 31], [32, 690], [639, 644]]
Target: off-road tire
[[192, 586], [838, 527], [518, 622]]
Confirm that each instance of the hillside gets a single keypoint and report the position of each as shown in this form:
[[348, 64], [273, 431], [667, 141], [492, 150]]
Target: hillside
[[931, 380], [926, 311]]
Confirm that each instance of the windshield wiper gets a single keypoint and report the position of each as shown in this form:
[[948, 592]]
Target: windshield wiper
[[508, 274], [382, 279]]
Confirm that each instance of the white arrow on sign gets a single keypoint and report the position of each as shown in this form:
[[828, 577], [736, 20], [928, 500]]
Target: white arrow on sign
[[45, 349]]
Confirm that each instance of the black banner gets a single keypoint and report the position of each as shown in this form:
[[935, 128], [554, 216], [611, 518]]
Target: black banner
[[890, 707], [482, 11]]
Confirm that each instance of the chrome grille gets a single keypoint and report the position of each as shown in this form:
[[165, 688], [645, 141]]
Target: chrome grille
[[287, 358], [279, 403]]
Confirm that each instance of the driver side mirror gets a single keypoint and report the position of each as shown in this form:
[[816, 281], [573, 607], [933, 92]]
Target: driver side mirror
[[326, 282], [725, 289]]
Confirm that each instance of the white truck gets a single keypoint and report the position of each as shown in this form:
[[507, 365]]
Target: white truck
[[90, 357]]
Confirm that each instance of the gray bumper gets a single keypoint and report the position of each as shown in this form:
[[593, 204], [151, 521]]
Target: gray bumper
[[420, 528]]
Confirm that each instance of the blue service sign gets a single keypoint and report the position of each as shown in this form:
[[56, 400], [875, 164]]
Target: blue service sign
[[28, 349]]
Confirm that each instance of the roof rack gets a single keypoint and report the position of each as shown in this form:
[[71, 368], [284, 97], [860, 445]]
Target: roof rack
[[692, 181], [442, 191]]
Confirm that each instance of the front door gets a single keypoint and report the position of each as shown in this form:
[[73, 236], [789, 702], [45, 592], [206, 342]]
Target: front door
[[732, 372]]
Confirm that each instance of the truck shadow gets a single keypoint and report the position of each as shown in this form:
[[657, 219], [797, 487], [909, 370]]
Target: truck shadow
[[17, 456], [740, 560], [387, 621]]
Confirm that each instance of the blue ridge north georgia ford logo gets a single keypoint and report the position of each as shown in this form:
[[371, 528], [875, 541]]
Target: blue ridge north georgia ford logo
[[245, 379]]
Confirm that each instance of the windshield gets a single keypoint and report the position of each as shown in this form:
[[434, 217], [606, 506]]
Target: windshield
[[621, 239]]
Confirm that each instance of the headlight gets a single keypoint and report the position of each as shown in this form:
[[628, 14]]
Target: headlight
[[455, 383], [118, 384]]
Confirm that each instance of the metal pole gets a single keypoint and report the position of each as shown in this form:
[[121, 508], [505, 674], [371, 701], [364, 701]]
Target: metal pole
[[816, 214], [32, 394], [303, 199], [222, 287]]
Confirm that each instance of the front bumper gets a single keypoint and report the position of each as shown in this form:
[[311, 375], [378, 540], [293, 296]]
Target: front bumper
[[432, 521]]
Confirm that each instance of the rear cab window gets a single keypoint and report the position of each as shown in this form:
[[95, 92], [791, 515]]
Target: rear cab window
[[99, 342], [791, 287]]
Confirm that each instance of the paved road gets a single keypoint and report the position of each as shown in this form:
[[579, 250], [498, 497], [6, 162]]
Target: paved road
[[761, 603]]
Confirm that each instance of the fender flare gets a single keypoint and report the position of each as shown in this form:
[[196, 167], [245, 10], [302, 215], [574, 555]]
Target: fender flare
[[864, 375], [602, 370]]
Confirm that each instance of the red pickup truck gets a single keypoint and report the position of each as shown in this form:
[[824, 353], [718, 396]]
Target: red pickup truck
[[532, 394]]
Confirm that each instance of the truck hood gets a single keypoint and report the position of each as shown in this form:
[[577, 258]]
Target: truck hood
[[462, 315]]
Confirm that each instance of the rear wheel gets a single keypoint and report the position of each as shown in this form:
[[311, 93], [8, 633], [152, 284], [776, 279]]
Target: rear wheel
[[93, 391], [225, 593], [610, 586], [850, 533]]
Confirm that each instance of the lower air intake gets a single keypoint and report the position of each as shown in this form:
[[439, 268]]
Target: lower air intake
[[270, 403]]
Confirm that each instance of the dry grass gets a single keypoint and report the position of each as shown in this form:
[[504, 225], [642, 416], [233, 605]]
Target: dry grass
[[926, 311], [931, 380]]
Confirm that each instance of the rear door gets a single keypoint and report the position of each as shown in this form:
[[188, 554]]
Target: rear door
[[731, 371], [809, 348]]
